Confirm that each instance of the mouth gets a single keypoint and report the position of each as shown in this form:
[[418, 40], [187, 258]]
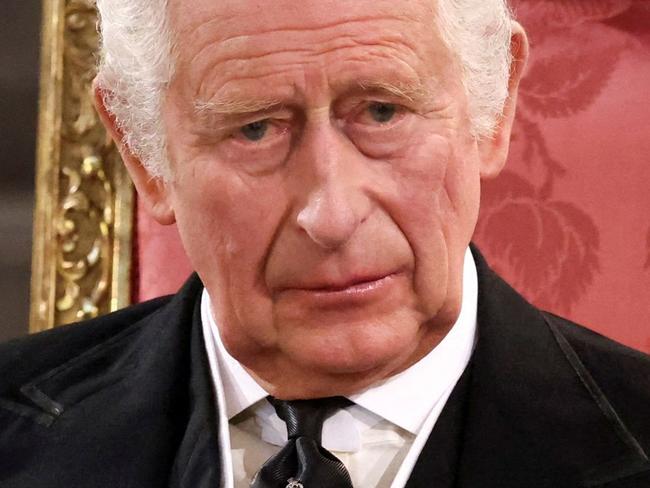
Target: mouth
[[350, 284], [353, 290]]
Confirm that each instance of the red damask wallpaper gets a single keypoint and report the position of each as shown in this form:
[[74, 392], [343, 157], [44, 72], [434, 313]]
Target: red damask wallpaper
[[568, 222]]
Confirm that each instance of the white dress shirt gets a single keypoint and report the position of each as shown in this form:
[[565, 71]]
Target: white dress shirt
[[379, 438]]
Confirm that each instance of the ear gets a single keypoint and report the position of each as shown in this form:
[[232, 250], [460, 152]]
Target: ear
[[153, 192], [493, 150]]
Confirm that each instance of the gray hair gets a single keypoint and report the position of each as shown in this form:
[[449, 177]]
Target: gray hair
[[137, 65]]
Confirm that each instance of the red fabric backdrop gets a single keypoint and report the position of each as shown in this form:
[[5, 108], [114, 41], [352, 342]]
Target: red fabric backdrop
[[567, 223]]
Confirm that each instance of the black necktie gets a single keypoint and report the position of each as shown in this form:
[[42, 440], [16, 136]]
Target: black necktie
[[303, 462]]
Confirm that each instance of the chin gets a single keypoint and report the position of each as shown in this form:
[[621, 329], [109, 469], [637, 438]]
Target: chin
[[364, 354]]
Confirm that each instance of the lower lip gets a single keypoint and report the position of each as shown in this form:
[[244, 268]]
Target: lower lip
[[352, 295]]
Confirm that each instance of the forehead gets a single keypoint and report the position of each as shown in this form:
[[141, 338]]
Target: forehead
[[253, 41], [241, 17]]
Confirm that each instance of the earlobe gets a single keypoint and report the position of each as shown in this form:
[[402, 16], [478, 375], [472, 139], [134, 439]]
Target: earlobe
[[493, 150], [153, 192]]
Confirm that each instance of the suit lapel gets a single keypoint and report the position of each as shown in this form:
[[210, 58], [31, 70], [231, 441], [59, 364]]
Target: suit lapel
[[531, 420], [198, 463], [438, 461]]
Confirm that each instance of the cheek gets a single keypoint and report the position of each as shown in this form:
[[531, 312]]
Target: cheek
[[227, 224], [420, 173], [438, 182], [437, 179]]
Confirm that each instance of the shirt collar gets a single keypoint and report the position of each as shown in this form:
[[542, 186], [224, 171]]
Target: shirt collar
[[401, 399], [240, 389]]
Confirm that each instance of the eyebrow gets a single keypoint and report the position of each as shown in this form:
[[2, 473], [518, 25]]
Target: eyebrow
[[412, 91], [234, 106]]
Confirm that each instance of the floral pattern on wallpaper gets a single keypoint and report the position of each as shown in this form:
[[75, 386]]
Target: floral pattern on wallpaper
[[547, 246], [541, 242]]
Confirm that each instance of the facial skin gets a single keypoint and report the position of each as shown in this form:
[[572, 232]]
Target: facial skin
[[325, 183]]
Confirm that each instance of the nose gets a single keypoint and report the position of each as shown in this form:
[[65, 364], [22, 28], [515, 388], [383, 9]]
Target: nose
[[336, 201], [329, 218]]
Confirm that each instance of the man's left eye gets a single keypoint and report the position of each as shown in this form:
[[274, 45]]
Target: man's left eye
[[255, 131], [382, 112]]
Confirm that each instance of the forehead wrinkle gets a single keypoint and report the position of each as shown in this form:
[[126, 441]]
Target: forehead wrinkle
[[238, 38], [407, 85], [233, 45], [253, 66]]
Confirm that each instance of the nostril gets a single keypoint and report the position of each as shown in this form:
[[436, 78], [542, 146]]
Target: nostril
[[330, 223]]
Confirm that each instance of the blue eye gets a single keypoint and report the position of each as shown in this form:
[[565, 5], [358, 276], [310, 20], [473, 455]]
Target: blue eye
[[382, 112], [255, 131]]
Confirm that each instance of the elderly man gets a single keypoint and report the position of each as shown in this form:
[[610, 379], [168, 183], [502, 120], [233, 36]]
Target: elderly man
[[322, 160]]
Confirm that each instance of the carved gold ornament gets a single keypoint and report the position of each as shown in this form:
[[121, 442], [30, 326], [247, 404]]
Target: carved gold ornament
[[84, 199]]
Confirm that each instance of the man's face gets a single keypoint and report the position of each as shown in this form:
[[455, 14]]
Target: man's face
[[325, 183]]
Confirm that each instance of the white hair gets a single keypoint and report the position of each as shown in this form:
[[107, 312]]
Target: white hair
[[479, 33], [137, 65]]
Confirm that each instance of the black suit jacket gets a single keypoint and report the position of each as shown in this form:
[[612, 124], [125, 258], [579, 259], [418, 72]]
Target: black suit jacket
[[125, 400]]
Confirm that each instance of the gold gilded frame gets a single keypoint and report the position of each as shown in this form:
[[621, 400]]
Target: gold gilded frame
[[83, 219]]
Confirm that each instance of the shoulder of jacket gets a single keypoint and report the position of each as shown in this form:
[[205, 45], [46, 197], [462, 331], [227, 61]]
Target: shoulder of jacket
[[29, 356], [621, 373], [600, 352]]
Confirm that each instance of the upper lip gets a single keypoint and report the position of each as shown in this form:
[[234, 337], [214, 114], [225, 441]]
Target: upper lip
[[339, 284]]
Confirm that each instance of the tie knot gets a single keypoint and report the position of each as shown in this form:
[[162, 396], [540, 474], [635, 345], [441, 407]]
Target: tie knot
[[305, 418]]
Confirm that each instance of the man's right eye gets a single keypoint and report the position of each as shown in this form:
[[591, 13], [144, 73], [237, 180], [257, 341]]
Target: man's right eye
[[382, 112], [255, 131]]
